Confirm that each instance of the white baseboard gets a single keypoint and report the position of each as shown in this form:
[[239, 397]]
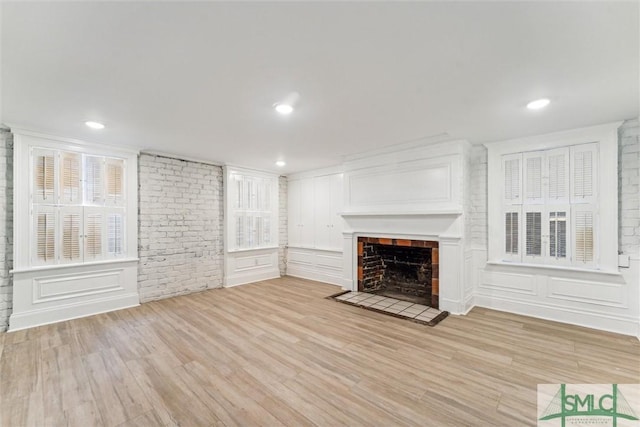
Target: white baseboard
[[469, 303], [243, 279], [315, 275], [605, 322], [62, 312]]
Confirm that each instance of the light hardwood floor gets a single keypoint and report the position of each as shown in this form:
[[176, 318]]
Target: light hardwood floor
[[278, 353]]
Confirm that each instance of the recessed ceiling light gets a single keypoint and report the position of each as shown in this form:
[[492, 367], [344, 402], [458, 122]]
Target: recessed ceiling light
[[281, 163], [284, 108], [94, 125], [538, 104]]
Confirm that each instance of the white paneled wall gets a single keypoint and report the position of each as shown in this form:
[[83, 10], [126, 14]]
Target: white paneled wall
[[252, 208], [604, 296], [315, 226]]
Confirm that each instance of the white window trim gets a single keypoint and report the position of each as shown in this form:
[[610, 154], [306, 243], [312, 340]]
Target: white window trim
[[606, 184], [24, 142]]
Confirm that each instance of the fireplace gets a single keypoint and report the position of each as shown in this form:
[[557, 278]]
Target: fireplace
[[399, 268]]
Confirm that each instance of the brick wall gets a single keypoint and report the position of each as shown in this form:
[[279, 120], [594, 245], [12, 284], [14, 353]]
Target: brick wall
[[282, 218], [628, 188], [180, 235], [6, 227], [477, 218]]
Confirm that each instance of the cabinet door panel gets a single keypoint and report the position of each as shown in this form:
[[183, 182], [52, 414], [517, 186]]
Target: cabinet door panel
[[322, 205], [307, 213], [336, 209]]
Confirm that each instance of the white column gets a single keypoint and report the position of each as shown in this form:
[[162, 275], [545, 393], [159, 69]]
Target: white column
[[451, 275], [349, 261]]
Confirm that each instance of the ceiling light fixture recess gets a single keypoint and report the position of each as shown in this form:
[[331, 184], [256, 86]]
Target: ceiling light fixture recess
[[287, 105], [538, 104], [94, 125], [281, 163], [284, 109]]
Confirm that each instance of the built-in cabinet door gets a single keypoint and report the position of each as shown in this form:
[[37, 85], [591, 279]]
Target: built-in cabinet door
[[328, 205], [301, 212], [323, 209], [314, 207], [307, 213], [336, 208]]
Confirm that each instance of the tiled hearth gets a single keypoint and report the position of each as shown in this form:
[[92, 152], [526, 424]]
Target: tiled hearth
[[419, 313]]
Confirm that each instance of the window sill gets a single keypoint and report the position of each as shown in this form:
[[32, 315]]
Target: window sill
[[555, 268], [63, 266]]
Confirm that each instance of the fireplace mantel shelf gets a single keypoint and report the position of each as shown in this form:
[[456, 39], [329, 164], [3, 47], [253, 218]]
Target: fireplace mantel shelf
[[399, 214]]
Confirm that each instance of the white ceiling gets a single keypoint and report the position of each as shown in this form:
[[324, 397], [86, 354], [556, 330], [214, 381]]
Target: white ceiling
[[199, 79]]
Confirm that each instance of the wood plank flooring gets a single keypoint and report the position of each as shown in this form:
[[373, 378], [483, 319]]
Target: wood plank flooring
[[277, 353]]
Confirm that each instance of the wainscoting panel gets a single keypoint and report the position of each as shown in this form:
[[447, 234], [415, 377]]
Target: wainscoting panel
[[600, 300], [59, 287], [314, 264], [508, 282], [61, 293], [599, 293], [250, 266]]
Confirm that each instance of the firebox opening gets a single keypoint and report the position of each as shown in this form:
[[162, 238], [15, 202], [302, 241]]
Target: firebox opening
[[402, 270]]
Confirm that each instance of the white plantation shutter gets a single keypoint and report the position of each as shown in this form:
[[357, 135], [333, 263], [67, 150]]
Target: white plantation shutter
[[558, 241], [115, 234], [251, 211], [583, 175], [94, 234], [512, 181], [45, 233], [511, 225], [70, 232], [44, 176], [240, 231], [70, 178], [533, 233], [240, 192], [265, 195], [115, 182], [533, 177], [558, 174], [250, 192], [584, 241], [266, 231], [94, 180], [70, 218]]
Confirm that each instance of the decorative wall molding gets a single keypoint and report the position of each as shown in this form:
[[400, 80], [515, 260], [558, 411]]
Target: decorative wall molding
[[313, 264]]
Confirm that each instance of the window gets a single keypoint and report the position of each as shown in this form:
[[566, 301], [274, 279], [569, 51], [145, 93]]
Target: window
[[78, 207], [554, 193], [253, 211]]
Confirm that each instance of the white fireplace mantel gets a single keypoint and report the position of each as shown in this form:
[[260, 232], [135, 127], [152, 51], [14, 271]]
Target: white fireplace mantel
[[415, 192]]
